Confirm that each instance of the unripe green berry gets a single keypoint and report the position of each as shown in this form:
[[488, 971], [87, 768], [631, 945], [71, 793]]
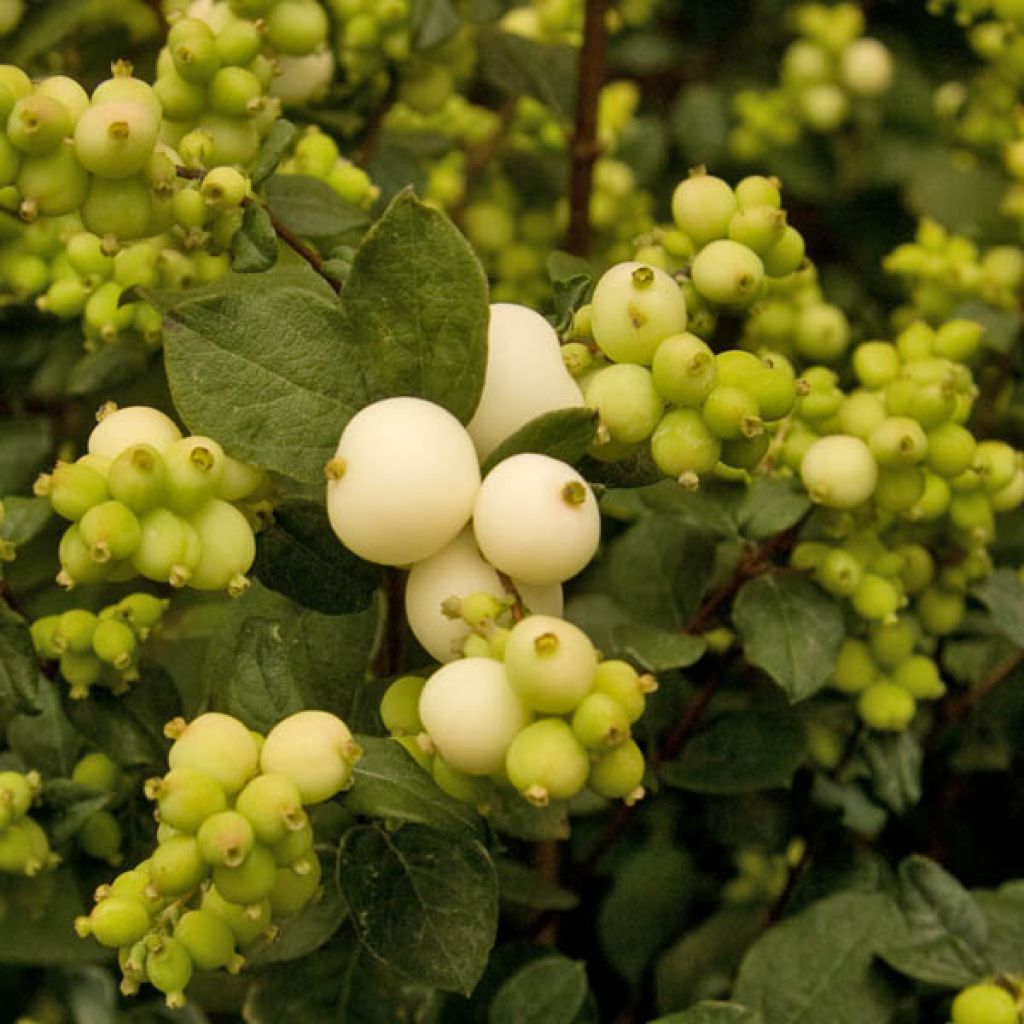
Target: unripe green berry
[[177, 866], [115, 921], [731, 413], [985, 1003], [250, 881], [703, 206], [100, 837], [877, 597], [225, 838], [727, 273], [683, 447], [138, 478], [97, 771], [839, 471], [219, 746], [295, 844], [399, 707], [684, 370], [600, 722], [919, 676], [626, 400], [273, 806], [886, 707], [210, 943], [115, 139], [115, 643], [550, 664], [892, 643], [546, 761], [169, 970], [295, 886], [855, 669], [619, 774], [247, 922], [73, 489]]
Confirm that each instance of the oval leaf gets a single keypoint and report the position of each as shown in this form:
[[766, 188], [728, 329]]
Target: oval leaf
[[548, 991]]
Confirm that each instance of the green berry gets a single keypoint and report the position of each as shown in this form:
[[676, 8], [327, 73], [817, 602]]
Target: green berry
[[399, 707], [208, 940], [731, 413], [626, 400], [855, 669], [684, 370], [876, 597], [297, 27], [169, 970], [822, 332], [727, 273], [115, 139], [80, 672], [247, 922], [295, 886], [77, 627], [115, 643], [757, 190], [122, 208], [840, 572], [757, 227], [295, 844], [600, 722], [138, 478], [218, 746], [703, 206], [550, 664], [74, 488], [186, 798], [892, 643], [683, 447], [250, 881], [546, 761], [101, 837], [839, 471], [37, 123], [886, 707], [225, 838], [985, 1003], [951, 449], [786, 255], [177, 866], [99, 772], [110, 530], [919, 676], [619, 774], [115, 921]]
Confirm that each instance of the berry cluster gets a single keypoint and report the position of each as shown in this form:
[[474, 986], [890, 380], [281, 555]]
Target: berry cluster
[[235, 847], [531, 707], [100, 835], [825, 75], [99, 648], [24, 846], [316, 155], [914, 495], [941, 270], [146, 501]]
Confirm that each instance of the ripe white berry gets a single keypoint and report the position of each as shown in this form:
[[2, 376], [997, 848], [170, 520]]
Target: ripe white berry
[[134, 424], [402, 482], [315, 750], [459, 570], [525, 378], [536, 519], [839, 471], [471, 714]]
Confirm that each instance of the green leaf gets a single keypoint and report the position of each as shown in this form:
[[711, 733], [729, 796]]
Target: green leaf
[[516, 66], [425, 902], [657, 650], [712, 1013], [108, 367], [432, 22], [24, 518], [740, 752], [1004, 913], [25, 445], [274, 149], [417, 300], [519, 885], [946, 932], [791, 629], [511, 815], [571, 279], [659, 569], [274, 366], [895, 762], [1003, 594], [390, 784], [254, 247], [551, 990], [299, 556], [636, 918], [771, 505], [38, 926], [19, 670], [819, 965], [311, 208], [129, 728], [68, 807], [269, 657], [44, 740], [564, 434], [855, 810]]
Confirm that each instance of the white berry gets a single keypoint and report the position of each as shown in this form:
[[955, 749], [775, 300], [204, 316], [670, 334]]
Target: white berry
[[134, 424], [525, 378], [471, 714], [839, 471], [402, 482], [315, 750], [536, 519]]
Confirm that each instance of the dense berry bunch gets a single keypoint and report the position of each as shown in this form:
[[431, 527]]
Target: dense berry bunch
[[235, 847], [24, 846], [146, 501], [827, 75], [529, 706], [99, 648], [915, 497]]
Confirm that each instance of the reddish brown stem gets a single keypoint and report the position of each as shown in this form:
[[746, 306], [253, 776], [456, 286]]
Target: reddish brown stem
[[585, 146]]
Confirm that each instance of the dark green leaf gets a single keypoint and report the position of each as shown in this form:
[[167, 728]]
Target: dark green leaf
[[1004, 913], [45, 740], [311, 208], [108, 367], [1003, 594], [423, 901], [129, 728], [19, 670], [299, 556], [791, 629], [519, 885], [571, 278], [551, 990], [819, 965], [856, 811], [432, 22], [68, 807], [390, 784], [43, 28], [274, 149], [24, 518], [946, 932], [564, 434], [771, 505], [254, 247], [270, 657], [659, 570], [25, 445], [517, 66], [646, 906], [712, 1013], [895, 763], [658, 650], [740, 752], [511, 815]]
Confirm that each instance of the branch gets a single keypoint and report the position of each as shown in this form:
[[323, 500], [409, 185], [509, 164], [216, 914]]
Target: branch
[[585, 147], [965, 703]]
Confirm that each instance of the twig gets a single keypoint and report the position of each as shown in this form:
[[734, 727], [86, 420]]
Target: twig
[[965, 703], [389, 658], [585, 145]]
